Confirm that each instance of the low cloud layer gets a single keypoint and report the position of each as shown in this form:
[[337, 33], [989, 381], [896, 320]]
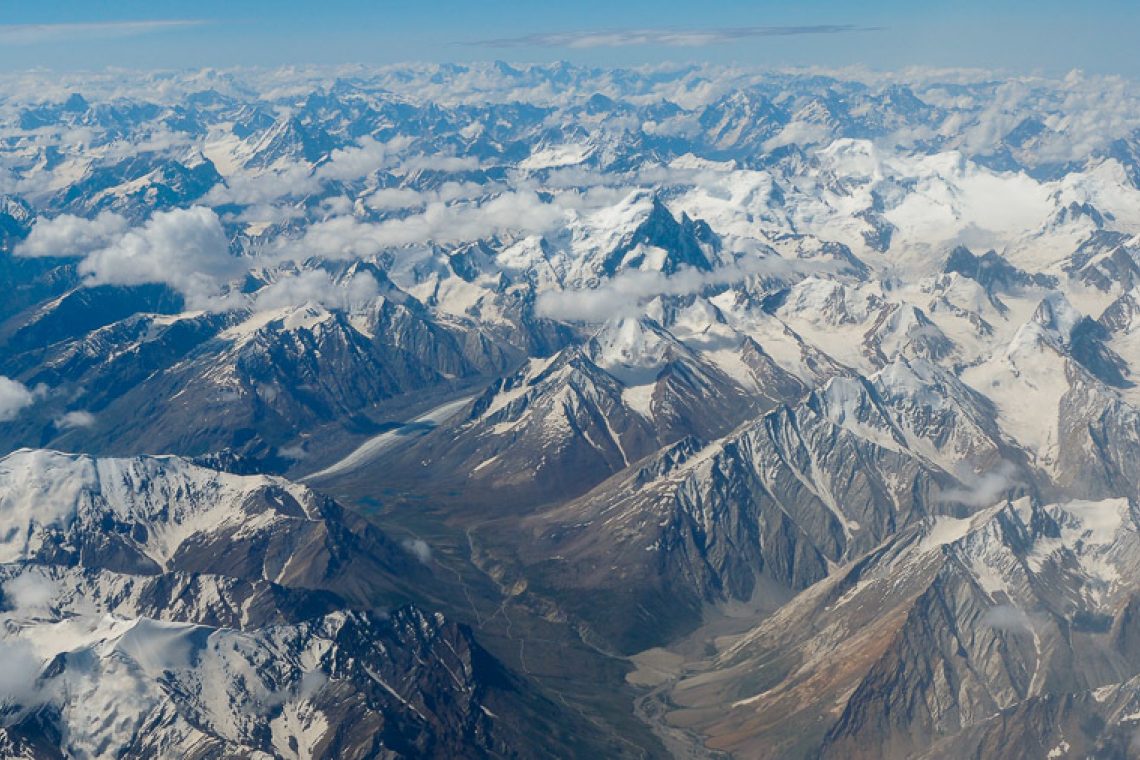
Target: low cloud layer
[[18, 677], [345, 238], [29, 592], [67, 235], [186, 249]]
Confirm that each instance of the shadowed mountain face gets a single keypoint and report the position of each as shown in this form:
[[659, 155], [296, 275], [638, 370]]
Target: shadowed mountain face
[[998, 609], [547, 411], [242, 614]]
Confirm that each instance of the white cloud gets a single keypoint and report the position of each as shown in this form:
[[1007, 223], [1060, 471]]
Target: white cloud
[[266, 213], [316, 286], [30, 591], [798, 133], [392, 198], [14, 398], [440, 163], [185, 249], [344, 164], [295, 453], [293, 181], [337, 205], [441, 222], [1006, 617], [982, 490], [666, 37], [627, 293], [361, 160], [345, 238], [33, 34], [18, 676], [418, 549], [68, 235], [340, 238], [76, 419]]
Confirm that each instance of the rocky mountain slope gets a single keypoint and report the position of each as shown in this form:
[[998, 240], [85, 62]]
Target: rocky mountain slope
[[811, 399], [152, 607]]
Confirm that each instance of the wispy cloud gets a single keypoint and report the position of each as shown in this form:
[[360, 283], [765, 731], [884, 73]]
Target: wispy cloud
[[665, 37], [984, 489], [35, 34], [14, 397], [627, 293]]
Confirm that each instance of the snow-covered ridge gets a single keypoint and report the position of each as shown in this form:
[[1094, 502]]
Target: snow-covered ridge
[[46, 493], [150, 605], [678, 341]]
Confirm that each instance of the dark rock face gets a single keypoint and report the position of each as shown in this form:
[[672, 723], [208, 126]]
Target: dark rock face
[[684, 242], [766, 511], [1106, 260], [954, 633], [559, 426], [407, 684], [687, 359], [993, 272], [245, 393], [240, 611]]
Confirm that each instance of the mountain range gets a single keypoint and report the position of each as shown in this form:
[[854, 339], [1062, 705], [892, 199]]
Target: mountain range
[[544, 411]]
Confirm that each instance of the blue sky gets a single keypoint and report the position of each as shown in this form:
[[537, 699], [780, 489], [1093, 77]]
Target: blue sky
[[1047, 36]]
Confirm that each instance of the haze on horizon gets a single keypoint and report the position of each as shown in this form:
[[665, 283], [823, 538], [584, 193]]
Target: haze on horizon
[[1049, 37]]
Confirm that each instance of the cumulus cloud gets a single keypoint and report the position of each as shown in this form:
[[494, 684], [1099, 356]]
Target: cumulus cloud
[[344, 164], [14, 398], [418, 549], [440, 163], [392, 198], [1006, 617], [345, 238], [68, 235], [798, 133], [185, 249], [269, 213], [338, 205], [665, 37], [982, 490], [316, 286], [627, 293], [340, 238], [29, 592], [293, 181], [76, 419], [295, 453], [441, 222], [361, 160], [355, 161], [18, 677]]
